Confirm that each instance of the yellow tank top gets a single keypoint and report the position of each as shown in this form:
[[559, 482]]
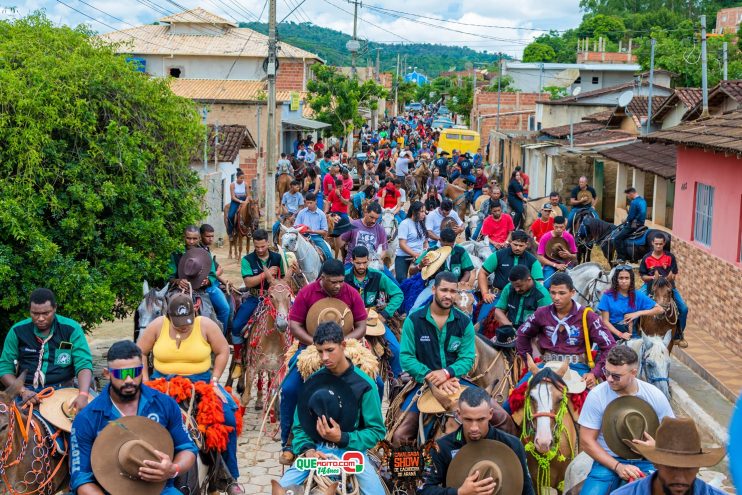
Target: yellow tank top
[[192, 357]]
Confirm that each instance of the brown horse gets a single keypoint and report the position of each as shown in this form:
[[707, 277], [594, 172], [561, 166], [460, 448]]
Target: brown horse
[[659, 325], [283, 184], [549, 431], [265, 345], [246, 222], [457, 194], [421, 175], [333, 242], [30, 464]]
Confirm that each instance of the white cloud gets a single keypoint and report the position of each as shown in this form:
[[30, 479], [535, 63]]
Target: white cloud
[[495, 18]]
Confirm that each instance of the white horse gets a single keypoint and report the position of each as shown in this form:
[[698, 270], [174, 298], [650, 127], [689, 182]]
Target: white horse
[[306, 255], [590, 282], [478, 249], [654, 360], [152, 306], [390, 227]]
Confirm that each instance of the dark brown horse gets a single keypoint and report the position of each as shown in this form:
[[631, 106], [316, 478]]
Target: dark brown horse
[[246, 222], [668, 321], [29, 461]]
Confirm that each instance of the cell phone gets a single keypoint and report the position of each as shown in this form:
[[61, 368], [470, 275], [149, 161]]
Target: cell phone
[[65, 345]]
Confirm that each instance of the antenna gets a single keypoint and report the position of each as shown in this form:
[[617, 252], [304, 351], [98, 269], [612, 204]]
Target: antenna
[[625, 98]]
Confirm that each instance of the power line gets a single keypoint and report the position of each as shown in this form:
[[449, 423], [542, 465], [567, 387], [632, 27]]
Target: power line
[[369, 22]]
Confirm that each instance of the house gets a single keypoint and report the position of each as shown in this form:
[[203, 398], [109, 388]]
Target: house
[[517, 111], [534, 76], [227, 149], [675, 108], [724, 97], [727, 20], [707, 221]]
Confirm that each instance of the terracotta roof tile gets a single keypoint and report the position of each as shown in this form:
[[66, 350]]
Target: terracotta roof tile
[[226, 90], [596, 92], [639, 105], [659, 159], [232, 138], [688, 97], [717, 95], [562, 131], [602, 136], [721, 134]]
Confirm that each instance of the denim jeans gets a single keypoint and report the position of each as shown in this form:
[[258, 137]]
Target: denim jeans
[[221, 306], [424, 297], [320, 242], [549, 271], [486, 308], [369, 482], [402, 266], [246, 310], [475, 234], [682, 307], [233, 207], [602, 480], [290, 388]]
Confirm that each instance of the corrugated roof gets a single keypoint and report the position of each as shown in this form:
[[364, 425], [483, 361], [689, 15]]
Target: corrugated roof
[[659, 159], [158, 40], [197, 16], [232, 138], [722, 134], [562, 131], [226, 90], [568, 100]]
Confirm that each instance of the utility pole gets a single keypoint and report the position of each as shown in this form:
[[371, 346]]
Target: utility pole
[[396, 89], [216, 146], [377, 78], [726, 53], [204, 113], [651, 85], [354, 48], [541, 78], [270, 176], [499, 87], [704, 70]]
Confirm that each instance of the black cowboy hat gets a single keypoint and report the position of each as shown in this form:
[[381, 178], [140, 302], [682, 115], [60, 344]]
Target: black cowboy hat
[[324, 394], [505, 337], [444, 153], [341, 227]]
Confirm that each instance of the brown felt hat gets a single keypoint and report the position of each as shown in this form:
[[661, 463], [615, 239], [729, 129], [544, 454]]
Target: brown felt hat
[[627, 418], [678, 444], [58, 409], [121, 448], [554, 245], [492, 459], [194, 266]]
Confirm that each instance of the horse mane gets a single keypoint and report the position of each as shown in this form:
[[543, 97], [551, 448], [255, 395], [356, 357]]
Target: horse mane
[[150, 299], [547, 375], [661, 283]]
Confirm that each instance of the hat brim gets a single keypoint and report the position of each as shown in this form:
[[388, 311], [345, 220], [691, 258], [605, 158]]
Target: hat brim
[[497, 452], [705, 458], [344, 393], [610, 430], [52, 408], [428, 404], [104, 454], [329, 303], [203, 256], [443, 253]]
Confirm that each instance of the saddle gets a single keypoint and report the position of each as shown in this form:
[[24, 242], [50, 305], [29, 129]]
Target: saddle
[[639, 233]]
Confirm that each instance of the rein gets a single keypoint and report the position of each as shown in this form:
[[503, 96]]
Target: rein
[[643, 369], [591, 290]]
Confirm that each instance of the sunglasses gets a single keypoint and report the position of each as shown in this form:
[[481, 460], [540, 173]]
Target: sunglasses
[[124, 373], [625, 267], [613, 376]]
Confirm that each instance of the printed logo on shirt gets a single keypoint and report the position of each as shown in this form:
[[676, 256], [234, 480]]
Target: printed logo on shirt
[[454, 344], [368, 240], [154, 417], [351, 462]]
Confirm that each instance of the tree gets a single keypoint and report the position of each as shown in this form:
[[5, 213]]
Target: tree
[[337, 99], [96, 182], [538, 52], [599, 25]]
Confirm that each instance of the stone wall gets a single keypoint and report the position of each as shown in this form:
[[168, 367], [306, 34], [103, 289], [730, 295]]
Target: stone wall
[[710, 287]]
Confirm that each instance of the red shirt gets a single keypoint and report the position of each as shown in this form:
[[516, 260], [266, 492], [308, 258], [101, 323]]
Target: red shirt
[[328, 183], [526, 181], [480, 182], [497, 230], [319, 147], [313, 292], [337, 206], [390, 200], [539, 227]]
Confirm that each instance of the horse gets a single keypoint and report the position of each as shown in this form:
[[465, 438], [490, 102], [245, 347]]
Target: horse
[[300, 169], [457, 195], [246, 222], [421, 175], [654, 360], [584, 249], [590, 282], [30, 462], [306, 254], [549, 431], [478, 249], [265, 344], [283, 184], [662, 294], [595, 231], [391, 226], [152, 306]]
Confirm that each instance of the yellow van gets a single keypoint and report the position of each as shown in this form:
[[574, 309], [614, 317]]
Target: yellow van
[[462, 140]]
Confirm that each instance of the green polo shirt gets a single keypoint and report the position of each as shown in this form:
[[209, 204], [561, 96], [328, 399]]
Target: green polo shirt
[[502, 302]]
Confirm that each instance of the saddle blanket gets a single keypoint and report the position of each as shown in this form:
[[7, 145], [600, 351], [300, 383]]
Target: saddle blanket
[[49, 429]]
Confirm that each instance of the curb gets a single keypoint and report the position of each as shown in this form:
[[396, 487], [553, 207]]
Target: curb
[[698, 368]]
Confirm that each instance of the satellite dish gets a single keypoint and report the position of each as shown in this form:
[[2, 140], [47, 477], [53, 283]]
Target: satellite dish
[[576, 91], [353, 45], [625, 98]]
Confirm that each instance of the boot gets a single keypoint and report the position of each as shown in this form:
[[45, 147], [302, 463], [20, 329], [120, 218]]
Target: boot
[[286, 458], [680, 339], [406, 432], [237, 356]]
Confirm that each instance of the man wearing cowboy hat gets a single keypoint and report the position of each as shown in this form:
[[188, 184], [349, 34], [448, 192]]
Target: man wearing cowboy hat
[[501, 262], [476, 445], [520, 298], [50, 348], [582, 196], [556, 250], [133, 464], [195, 267], [372, 285], [621, 408], [339, 411], [329, 287], [448, 257], [442, 163], [677, 456]]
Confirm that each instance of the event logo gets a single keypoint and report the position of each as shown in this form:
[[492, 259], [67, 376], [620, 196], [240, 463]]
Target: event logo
[[351, 462]]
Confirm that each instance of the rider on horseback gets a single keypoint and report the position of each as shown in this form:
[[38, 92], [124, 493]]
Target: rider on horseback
[[661, 263], [559, 259], [238, 193], [436, 217], [520, 298], [50, 348], [635, 220], [283, 166], [372, 284], [316, 222], [126, 396], [582, 197]]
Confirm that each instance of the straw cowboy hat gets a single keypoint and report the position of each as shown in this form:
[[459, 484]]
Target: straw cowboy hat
[[121, 449], [492, 459], [330, 309], [575, 383], [194, 266], [678, 444], [480, 201], [324, 394], [554, 245], [584, 194], [627, 418], [428, 404], [437, 258], [58, 409], [374, 326]]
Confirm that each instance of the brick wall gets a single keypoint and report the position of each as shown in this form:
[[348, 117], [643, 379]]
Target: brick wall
[[290, 75], [486, 104], [727, 20], [606, 57], [710, 286]]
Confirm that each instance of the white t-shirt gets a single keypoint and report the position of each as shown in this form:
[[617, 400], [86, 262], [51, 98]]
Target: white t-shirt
[[599, 397], [435, 218], [408, 232]]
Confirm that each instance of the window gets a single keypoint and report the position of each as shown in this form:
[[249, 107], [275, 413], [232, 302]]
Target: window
[[175, 72], [453, 136], [704, 213], [596, 80], [467, 137], [531, 122], [578, 80]]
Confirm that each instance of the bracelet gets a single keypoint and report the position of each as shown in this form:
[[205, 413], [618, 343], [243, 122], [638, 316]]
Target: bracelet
[[214, 379], [618, 463], [177, 471], [81, 392], [448, 375]]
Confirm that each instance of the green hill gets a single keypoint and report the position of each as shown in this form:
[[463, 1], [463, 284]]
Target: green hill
[[430, 59]]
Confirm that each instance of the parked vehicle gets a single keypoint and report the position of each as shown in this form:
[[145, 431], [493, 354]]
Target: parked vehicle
[[463, 140], [443, 111], [441, 123]]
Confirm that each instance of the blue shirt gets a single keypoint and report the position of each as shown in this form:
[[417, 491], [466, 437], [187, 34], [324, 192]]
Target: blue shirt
[[315, 220], [619, 306], [637, 212], [292, 202], [96, 416], [643, 486]]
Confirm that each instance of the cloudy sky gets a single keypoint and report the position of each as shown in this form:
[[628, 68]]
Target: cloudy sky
[[506, 25]]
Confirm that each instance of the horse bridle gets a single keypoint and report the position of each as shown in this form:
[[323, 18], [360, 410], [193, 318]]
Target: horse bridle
[[591, 291], [642, 369]]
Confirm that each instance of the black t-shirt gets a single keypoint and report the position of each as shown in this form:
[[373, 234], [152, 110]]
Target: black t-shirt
[[514, 188], [576, 191]]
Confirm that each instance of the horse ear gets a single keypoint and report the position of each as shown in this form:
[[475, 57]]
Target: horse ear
[[563, 369], [667, 338], [531, 365], [282, 227], [645, 338], [15, 388], [164, 290], [145, 288]]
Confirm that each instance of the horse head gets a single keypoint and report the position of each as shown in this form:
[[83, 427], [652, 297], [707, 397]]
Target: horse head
[[662, 292], [151, 307], [280, 296], [290, 239], [253, 212], [654, 360], [546, 393], [389, 223]]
